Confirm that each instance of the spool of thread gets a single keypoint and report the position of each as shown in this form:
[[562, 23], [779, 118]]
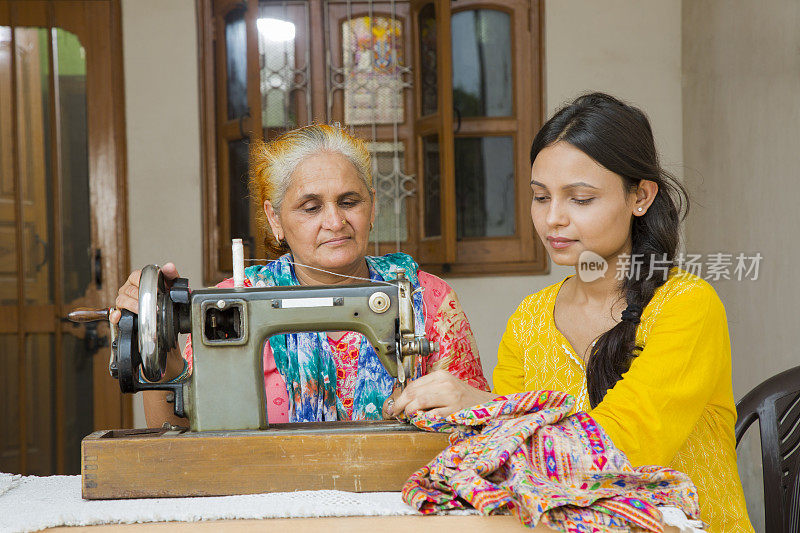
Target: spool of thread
[[238, 263]]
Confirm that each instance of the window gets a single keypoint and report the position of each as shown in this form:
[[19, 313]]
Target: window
[[448, 101]]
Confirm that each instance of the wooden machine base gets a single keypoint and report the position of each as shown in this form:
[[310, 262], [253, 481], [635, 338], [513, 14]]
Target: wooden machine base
[[350, 456]]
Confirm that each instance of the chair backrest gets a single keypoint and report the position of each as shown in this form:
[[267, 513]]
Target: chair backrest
[[794, 511], [776, 405]]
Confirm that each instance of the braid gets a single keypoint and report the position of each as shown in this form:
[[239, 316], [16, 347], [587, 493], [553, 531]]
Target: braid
[[615, 349]]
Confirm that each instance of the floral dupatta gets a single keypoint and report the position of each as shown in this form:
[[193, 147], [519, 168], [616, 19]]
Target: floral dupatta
[[306, 362]]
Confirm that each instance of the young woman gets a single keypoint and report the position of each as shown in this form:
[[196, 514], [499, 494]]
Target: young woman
[[648, 355]]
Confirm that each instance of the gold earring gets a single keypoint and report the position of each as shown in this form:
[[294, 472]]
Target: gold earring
[[344, 221], [371, 225]]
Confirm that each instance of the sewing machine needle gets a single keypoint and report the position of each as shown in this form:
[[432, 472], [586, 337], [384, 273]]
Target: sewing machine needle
[[401, 374]]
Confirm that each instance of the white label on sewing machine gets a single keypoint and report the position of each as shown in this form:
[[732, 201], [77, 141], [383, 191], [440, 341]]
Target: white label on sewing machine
[[289, 303]]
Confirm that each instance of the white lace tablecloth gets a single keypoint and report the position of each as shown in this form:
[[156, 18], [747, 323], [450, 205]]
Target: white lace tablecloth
[[34, 503]]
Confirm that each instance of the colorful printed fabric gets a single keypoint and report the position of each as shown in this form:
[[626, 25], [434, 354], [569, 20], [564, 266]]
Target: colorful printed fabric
[[346, 352], [306, 362], [522, 453]]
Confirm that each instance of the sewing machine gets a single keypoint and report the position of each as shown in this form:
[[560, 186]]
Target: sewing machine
[[230, 446]]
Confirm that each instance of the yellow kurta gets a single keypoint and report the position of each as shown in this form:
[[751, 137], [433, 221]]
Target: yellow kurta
[[673, 407]]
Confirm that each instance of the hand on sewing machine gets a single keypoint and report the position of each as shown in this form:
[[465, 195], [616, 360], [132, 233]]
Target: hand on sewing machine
[[128, 298], [128, 294], [439, 393]]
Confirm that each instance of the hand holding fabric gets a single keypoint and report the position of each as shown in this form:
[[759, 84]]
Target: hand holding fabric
[[439, 393]]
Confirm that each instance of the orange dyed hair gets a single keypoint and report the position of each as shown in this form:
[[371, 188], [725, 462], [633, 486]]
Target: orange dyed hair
[[273, 163]]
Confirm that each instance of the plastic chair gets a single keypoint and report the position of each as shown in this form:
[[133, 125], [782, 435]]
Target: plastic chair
[[776, 405]]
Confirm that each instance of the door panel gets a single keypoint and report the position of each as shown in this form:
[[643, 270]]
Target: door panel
[[40, 447], [77, 398], [9, 413], [32, 102], [62, 163], [8, 230]]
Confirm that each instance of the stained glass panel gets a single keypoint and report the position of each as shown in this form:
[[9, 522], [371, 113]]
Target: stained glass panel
[[283, 50], [392, 189], [372, 49]]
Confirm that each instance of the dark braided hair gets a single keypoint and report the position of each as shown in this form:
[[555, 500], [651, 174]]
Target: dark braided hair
[[618, 136]]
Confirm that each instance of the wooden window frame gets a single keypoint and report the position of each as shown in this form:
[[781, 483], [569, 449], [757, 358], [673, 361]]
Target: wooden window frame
[[481, 256], [444, 255], [440, 249]]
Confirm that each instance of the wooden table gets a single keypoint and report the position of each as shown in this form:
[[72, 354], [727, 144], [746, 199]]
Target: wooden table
[[134, 463], [358, 524]]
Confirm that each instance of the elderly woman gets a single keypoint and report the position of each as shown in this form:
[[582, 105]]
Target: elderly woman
[[315, 185]]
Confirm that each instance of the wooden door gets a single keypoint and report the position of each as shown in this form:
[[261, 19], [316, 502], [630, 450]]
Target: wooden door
[[62, 234]]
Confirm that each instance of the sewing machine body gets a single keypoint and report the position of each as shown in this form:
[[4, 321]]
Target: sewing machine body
[[225, 390], [230, 446], [230, 327]]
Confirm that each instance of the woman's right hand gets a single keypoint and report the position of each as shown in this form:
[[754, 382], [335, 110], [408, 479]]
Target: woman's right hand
[[128, 294], [439, 393], [128, 298]]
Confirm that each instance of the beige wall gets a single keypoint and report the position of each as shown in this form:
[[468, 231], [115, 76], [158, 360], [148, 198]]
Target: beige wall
[[163, 130], [741, 118], [741, 123]]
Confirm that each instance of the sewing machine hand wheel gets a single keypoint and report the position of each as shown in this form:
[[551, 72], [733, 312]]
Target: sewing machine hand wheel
[[156, 334], [144, 342]]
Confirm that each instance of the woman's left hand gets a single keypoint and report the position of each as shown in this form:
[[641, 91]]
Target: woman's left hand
[[439, 393]]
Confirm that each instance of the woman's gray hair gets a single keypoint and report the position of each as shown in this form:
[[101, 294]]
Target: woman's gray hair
[[273, 163], [288, 151]]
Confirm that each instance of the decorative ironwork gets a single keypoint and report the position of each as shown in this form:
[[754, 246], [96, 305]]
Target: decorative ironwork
[[373, 77], [281, 80]]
